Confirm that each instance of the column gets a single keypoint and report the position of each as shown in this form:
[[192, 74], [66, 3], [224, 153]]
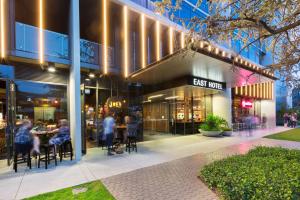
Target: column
[[222, 105], [74, 79]]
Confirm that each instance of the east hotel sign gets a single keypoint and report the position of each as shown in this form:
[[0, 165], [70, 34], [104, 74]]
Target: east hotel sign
[[206, 83]]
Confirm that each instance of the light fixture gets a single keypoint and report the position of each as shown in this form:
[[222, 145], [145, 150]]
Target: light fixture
[[209, 47], [51, 69], [104, 24], [125, 23], [2, 29], [41, 34], [223, 53], [147, 101], [91, 75], [143, 42], [171, 97], [201, 44], [182, 40], [155, 96], [157, 41], [171, 40], [217, 50], [87, 79]]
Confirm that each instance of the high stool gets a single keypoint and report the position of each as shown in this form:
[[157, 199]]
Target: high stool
[[49, 154], [131, 144], [66, 149], [19, 160]]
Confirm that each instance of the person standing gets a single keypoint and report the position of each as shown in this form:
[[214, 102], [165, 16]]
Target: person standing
[[109, 127], [285, 119]]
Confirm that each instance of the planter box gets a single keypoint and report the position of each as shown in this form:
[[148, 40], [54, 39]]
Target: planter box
[[227, 133], [211, 133]]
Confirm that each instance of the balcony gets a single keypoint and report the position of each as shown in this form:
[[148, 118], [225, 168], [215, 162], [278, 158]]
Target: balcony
[[57, 47]]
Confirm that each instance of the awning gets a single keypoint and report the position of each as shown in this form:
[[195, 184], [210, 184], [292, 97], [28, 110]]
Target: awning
[[197, 64]]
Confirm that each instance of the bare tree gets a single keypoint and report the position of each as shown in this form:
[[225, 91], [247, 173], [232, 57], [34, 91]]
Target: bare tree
[[270, 24]]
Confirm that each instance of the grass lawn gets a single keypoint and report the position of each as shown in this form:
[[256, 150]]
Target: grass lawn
[[93, 191], [264, 173], [291, 135]]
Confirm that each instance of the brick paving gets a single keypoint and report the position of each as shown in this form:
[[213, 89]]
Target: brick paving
[[177, 180]]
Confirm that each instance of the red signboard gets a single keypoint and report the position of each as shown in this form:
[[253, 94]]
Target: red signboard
[[247, 103]]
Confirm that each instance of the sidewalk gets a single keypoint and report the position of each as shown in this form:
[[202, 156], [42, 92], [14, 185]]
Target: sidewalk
[[96, 165], [178, 179]]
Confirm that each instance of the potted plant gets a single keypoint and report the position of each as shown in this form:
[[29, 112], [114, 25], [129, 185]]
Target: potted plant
[[227, 131], [212, 126]]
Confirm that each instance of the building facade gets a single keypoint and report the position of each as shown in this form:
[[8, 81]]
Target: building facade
[[76, 59]]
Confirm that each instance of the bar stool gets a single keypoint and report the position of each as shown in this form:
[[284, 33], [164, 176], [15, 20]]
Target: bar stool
[[131, 144], [20, 160], [65, 149], [49, 154], [131, 138]]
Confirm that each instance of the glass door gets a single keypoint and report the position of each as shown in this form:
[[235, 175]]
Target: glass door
[[10, 119]]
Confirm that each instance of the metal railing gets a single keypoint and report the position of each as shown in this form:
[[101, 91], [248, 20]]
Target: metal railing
[[57, 45]]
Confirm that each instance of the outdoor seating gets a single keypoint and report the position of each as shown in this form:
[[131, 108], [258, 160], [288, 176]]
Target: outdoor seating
[[131, 143], [65, 150], [48, 153]]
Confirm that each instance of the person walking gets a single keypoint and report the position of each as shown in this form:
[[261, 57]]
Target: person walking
[[285, 119], [109, 125]]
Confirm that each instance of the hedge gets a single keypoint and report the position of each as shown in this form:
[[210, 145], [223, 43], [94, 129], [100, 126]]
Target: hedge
[[263, 173]]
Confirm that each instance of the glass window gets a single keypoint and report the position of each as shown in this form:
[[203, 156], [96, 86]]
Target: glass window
[[41, 102]]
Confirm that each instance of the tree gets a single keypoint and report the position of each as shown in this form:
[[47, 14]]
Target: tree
[[271, 24]]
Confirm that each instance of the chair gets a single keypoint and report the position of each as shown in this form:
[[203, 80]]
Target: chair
[[131, 138], [49, 153], [19, 160], [65, 149]]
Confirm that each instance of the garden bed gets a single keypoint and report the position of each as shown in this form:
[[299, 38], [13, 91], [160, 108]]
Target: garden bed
[[264, 173], [92, 191]]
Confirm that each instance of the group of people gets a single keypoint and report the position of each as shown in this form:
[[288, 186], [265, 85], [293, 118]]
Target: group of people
[[254, 121], [109, 131], [290, 119], [27, 140]]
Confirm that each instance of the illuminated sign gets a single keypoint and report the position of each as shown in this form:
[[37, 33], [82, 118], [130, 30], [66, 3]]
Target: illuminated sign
[[115, 104], [247, 103], [206, 83]]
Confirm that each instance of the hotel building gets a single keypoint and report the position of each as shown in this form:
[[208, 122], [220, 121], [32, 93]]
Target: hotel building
[[73, 59]]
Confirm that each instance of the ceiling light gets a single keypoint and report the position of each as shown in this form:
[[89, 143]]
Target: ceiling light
[[155, 96], [87, 79], [172, 97], [92, 75], [51, 69]]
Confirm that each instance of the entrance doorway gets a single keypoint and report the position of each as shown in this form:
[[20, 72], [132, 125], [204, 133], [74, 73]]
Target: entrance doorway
[[176, 111]]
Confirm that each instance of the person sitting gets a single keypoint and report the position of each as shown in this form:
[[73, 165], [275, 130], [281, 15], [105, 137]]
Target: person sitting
[[62, 133], [24, 139]]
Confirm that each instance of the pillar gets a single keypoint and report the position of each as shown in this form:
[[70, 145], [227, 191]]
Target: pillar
[[74, 79], [222, 105]]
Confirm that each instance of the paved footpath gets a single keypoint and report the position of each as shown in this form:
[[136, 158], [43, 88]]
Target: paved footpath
[[178, 179], [161, 167]]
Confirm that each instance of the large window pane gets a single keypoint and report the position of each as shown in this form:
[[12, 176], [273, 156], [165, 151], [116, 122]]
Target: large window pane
[[41, 102]]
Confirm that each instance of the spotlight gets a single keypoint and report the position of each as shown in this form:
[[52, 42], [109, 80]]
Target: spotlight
[[92, 75], [51, 69]]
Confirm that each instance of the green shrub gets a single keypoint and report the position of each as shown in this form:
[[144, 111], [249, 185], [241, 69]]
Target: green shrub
[[264, 173], [213, 123]]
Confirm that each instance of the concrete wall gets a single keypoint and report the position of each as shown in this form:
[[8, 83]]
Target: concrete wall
[[221, 105]]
